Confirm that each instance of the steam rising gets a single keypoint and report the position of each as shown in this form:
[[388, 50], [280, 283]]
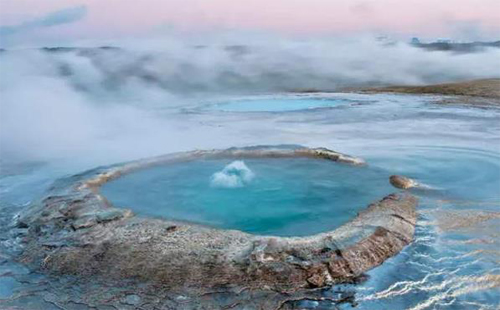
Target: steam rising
[[108, 100]]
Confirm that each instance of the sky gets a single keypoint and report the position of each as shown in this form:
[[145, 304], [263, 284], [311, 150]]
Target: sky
[[39, 22]]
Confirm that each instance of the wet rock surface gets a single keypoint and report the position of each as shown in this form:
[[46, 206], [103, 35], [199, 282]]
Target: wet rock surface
[[402, 182], [75, 231]]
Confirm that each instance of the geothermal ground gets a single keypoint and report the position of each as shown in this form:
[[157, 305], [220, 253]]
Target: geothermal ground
[[65, 245]]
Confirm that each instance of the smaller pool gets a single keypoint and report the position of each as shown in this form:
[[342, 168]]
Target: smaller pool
[[279, 105], [283, 197]]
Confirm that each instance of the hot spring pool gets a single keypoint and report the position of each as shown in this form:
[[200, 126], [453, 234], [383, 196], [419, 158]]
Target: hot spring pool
[[280, 104], [283, 197]]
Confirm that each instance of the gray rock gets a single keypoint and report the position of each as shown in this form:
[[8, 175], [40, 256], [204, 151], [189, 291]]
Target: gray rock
[[175, 255]]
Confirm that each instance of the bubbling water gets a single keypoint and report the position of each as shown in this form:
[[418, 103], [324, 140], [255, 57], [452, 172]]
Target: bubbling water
[[278, 196], [236, 174], [453, 262]]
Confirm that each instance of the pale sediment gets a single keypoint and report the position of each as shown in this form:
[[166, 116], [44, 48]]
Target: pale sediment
[[76, 231]]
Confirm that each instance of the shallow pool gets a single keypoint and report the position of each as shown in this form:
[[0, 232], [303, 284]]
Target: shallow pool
[[285, 197], [281, 104], [453, 262]]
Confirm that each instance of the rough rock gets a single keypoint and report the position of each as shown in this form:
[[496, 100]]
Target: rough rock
[[402, 182], [91, 238]]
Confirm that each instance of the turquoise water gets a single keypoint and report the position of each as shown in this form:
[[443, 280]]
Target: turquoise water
[[453, 175], [280, 104], [285, 197], [452, 264]]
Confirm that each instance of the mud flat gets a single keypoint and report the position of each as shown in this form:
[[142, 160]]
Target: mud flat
[[76, 231], [477, 92]]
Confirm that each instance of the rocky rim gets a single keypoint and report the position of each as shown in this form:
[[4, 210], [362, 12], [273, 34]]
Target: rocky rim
[[76, 231]]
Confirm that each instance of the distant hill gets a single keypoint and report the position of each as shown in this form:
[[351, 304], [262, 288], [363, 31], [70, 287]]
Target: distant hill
[[485, 91], [239, 50], [457, 47]]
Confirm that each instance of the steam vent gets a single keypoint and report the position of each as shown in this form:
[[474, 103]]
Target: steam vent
[[76, 230]]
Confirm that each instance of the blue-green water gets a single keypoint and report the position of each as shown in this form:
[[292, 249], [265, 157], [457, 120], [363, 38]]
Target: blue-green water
[[453, 261], [452, 264], [280, 104], [286, 197]]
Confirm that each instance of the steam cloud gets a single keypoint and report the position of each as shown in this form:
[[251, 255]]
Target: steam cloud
[[59, 101]]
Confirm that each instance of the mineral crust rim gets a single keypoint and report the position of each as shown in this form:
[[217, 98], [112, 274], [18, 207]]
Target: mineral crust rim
[[75, 230]]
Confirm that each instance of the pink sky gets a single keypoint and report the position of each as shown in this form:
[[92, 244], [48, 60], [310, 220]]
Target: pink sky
[[431, 18]]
